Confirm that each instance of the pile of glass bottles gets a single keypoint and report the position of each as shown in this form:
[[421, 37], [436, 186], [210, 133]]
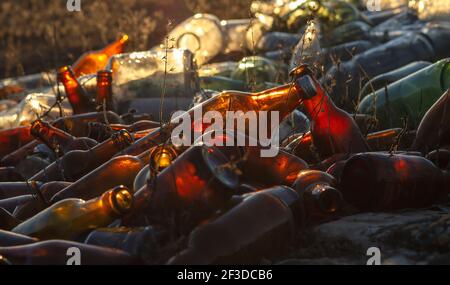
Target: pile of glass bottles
[[89, 159]]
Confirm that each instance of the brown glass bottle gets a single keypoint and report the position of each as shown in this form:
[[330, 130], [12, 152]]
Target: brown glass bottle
[[70, 218], [54, 252], [104, 90], [12, 139], [198, 182], [76, 164], [120, 170], [321, 199], [75, 92], [243, 234], [377, 181], [57, 140], [93, 61]]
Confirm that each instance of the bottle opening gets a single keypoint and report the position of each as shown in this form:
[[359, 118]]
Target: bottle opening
[[122, 199], [221, 167]]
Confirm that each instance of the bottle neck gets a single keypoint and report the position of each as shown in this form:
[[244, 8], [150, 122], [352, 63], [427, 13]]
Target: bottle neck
[[76, 94], [104, 90], [116, 47]]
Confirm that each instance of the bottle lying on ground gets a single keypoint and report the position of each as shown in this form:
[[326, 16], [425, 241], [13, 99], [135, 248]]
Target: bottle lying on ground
[[7, 221], [104, 90], [54, 252], [59, 141], [70, 218], [91, 62], [434, 130], [120, 170], [76, 164], [197, 183], [378, 182], [242, 234], [13, 239], [410, 97]]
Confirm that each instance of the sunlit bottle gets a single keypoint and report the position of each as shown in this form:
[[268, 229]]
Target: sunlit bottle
[[234, 35], [54, 252], [388, 78], [344, 52], [57, 140], [377, 182], [120, 170], [72, 217], [408, 98], [308, 48], [199, 181], [75, 92], [255, 70], [93, 61], [104, 90], [430, 10], [333, 130], [218, 69], [242, 234], [75, 164], [433, 131]]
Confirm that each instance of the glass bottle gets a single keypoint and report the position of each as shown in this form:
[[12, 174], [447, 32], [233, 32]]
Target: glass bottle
[[91, 62], [409, 97], [104, 90], [12, 239], [75, 92], [70, 218]]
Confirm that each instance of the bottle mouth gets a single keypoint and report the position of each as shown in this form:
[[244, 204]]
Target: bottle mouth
[[162, 157], [122, 199], [330, 200], [123, 139], [220, 166]]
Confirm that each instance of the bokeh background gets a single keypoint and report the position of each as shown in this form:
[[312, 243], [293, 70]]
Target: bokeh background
[[40, 35]]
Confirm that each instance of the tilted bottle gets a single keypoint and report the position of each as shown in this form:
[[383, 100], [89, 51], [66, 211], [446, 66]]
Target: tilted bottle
[[58, 140], [12, 139], [242, 234], [7, 221], [70, 218], [199, 181], [120, 170], [75, 92], [380, 182], [104, 90], [12, 239], [54, 252], [434, 130], [333, 130], [75, 164], [322, 201], [410, 97], [9, 174], [91, 62]]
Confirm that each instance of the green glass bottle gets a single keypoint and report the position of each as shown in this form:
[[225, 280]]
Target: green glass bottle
[[257, 69], [408, 98], [220, 83]]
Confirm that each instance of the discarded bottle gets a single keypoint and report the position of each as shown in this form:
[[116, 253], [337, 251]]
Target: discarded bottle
[[201, 34], [70, 218], [223, 69], [345, 52], [43, 192], [322, 201], [283, 99], [386, 79], [408, 98], [277, 40], [242, 235], [91, 62], [234, 32], [220, 83], [308, 49], [54, 252], [200, 181], [120, 170], [75, 164], [333, 130], [380, 182], [384, 58], [75, 92], [139, 242], [13, 239], [57, 140], [11, 204], [384, 140], [9, 174], [256, 70], [104, 90], [434, 131]]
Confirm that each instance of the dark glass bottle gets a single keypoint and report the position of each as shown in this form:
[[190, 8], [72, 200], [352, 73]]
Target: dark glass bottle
[[12, 239], [75, 92], [104, 90]]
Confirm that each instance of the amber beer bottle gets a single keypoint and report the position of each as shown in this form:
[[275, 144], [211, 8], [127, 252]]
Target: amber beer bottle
[[199, 181], [70, 218], [377, 182], [104, 90], [75, 92], [321, 199], [91, 62], [75, 164], [283, 99], [57, 140], [333, 130], [120, 170], [54, 252], [260, 226]]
